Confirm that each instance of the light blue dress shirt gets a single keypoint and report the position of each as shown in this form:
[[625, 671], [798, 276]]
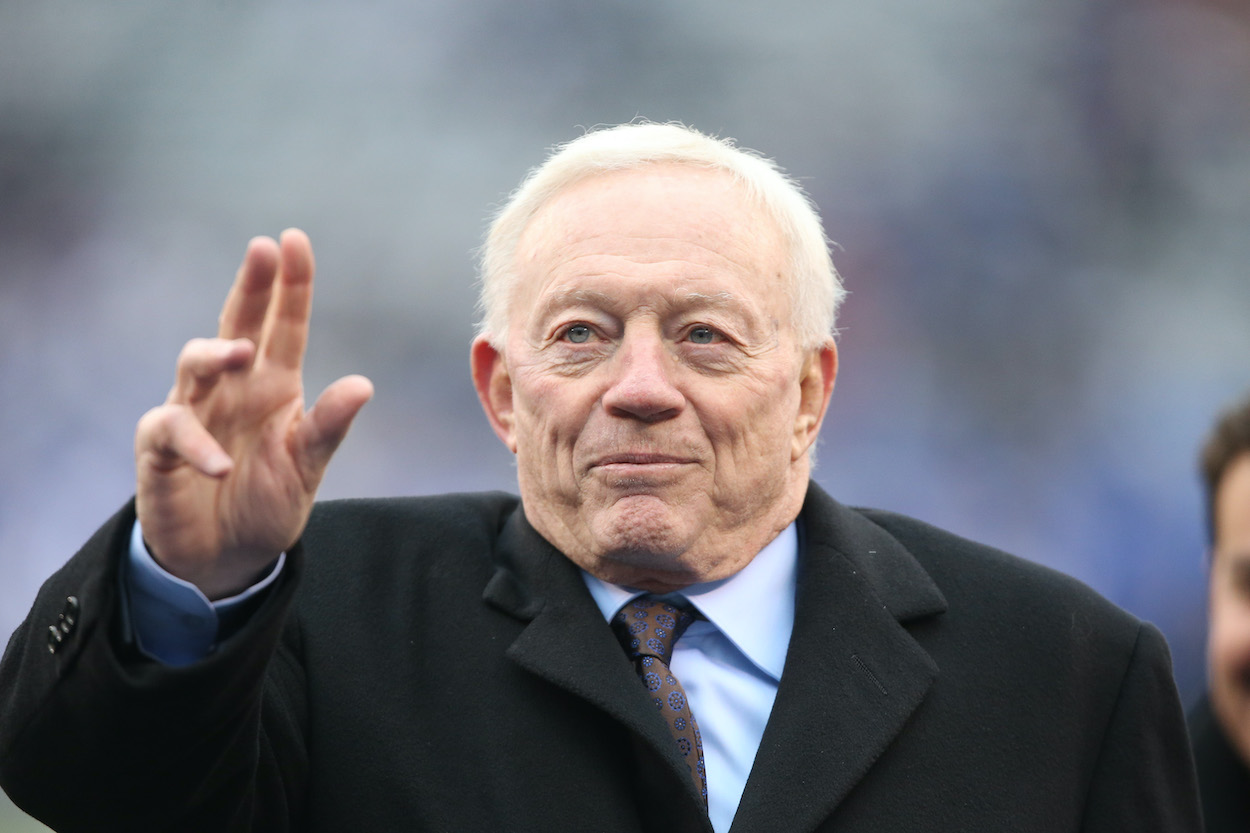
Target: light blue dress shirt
[[171, 619], [731, 663]]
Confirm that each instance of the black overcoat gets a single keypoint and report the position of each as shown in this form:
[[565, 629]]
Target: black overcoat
[[433, 664]]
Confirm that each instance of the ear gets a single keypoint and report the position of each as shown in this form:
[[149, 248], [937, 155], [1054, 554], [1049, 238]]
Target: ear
[[494, 389], [816, 379]]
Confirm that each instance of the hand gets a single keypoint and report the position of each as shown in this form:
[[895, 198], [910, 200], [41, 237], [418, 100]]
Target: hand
[[229, 466]]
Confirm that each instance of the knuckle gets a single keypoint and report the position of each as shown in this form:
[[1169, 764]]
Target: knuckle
[[193, 349], [157, 423], [165, 434], [199, 351], [201, 360]]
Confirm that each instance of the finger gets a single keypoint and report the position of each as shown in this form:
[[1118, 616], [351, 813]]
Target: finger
[[243, 314], [325, 425], [286, 327], [202, 362], [170, 435]]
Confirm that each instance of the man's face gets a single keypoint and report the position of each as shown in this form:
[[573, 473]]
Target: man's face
[[651, 385], [1229, 640]]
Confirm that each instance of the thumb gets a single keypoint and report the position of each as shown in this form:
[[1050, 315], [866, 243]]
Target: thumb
[[325, 425]]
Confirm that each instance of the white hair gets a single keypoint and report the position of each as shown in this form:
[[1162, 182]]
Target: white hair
[[815, 288]]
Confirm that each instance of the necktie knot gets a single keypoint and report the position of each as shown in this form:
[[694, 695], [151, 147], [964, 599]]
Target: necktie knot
[[648, 627]]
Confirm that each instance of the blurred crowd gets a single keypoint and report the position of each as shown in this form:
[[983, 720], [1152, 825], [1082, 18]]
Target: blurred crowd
[[1040, 210]]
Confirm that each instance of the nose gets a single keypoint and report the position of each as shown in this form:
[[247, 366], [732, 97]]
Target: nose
[[642, 386]]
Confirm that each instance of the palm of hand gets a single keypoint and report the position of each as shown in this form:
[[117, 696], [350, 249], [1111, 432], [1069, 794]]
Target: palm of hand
[[229, 466]]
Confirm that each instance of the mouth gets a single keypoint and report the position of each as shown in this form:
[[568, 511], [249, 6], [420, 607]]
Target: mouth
[[640, 471], [639, 459]]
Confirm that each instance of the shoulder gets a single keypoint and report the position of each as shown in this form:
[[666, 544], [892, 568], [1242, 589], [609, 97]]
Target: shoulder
[[979, 575], [464, 512], [907, 561], [991, 607], [377, 544], [1011, 625]]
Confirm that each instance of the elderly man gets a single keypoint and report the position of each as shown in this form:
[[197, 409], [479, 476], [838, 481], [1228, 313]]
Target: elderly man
[[672, 628], [1221, 722]]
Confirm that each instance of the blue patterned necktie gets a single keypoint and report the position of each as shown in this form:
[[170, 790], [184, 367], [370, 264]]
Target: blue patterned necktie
[[647, 628]]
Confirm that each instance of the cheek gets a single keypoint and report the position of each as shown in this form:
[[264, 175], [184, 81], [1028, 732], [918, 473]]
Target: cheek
[[775, 407], [536, 392], [755, 421], [1229, 640], [551, 412]]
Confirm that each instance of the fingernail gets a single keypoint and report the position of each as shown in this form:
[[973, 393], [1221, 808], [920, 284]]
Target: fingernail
[[217, 465]]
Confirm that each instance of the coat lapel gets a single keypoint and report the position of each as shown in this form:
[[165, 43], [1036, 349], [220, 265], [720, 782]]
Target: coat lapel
[[568, 643], [853, 674]]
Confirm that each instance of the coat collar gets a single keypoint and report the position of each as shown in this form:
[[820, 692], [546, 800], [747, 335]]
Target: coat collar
[[568, 643], [853, 674]]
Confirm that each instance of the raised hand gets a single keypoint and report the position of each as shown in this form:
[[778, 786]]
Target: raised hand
[[229, 466]]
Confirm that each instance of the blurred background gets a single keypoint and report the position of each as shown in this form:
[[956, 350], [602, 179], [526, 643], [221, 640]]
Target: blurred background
[[1042, 210]]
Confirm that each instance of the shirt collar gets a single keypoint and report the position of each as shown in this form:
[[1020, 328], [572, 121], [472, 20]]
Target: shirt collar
[[765, 588]]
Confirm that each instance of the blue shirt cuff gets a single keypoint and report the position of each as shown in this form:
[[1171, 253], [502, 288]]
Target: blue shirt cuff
[[171, 619]]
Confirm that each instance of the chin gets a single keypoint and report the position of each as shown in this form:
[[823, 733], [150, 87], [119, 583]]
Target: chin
[[1240, 737], [1232, 707], [644, 531]]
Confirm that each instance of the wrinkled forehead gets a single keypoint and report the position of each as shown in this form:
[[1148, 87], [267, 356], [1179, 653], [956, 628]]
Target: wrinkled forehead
[[680, 201]]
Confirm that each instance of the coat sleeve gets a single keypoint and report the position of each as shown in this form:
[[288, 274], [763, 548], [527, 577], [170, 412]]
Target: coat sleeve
[[95, 737], [1144, 780]]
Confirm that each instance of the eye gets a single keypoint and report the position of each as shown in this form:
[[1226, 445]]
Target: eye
[[578, 334], [702, 335]]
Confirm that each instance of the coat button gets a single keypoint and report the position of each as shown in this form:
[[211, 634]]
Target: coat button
[[69, 615], [65, 624]]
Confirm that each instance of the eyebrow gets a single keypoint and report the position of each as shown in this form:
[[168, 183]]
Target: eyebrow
[[562, 298]]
